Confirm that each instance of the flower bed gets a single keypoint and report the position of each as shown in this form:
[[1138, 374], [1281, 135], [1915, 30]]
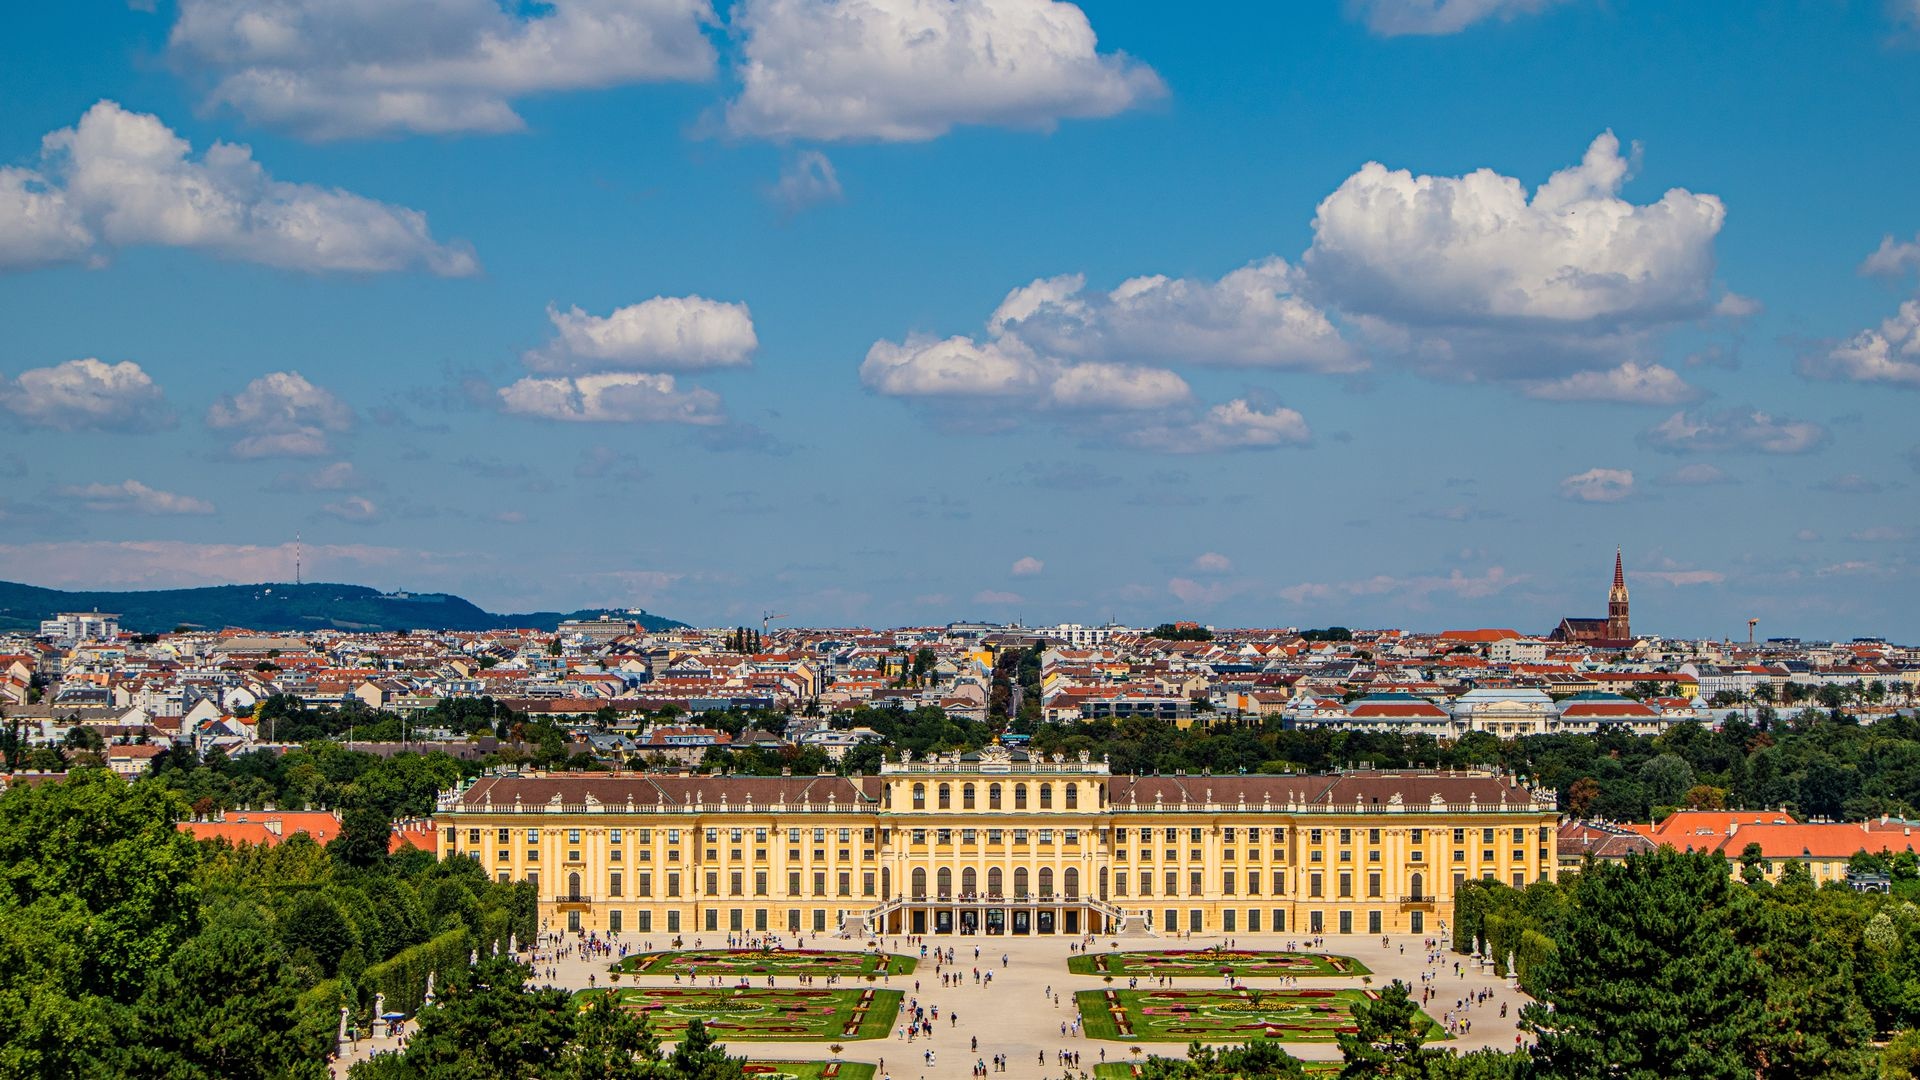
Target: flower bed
[[1214, 964], [742, 1014], [764, 962], [1222, 1015]]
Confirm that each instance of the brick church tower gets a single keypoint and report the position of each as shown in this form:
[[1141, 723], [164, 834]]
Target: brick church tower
[[1619, 626]]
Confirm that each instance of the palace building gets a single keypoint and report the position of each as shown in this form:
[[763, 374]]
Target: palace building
[[1000, 842]]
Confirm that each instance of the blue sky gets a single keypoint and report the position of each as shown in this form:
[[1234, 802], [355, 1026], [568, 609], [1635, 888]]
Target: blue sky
[[904, 311]]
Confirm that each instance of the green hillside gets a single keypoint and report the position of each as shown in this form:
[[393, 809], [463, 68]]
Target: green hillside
[[279, 607]]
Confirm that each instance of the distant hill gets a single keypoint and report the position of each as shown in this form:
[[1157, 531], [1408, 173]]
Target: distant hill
[[280, 607]]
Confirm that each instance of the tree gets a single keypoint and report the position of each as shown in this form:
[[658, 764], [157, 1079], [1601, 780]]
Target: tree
[[317, 926], [1815, 1024], [610, 1043], [698, 1057], [1390, 1042], [112, 848], [1754, 865], [224, 1009], [486, 1025], [1649, 980], [1261, 1060], [365, 832]]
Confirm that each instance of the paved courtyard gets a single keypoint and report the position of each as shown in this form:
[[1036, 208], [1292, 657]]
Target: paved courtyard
[[1021, 1012]]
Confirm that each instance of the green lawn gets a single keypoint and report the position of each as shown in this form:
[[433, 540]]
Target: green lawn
[[809, 1070], [819, 962], [1294, 1015], [760, 1015], [1214, 963]]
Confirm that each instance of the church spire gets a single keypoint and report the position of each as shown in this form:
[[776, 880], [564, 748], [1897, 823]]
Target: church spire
[[1619, 622]]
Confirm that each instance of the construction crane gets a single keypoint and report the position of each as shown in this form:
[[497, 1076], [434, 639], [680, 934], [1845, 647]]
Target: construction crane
[[767, 617], [1751, 623]]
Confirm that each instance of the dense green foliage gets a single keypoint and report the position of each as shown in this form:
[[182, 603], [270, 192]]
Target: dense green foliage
[[486, 1025], [279, 607], [230, 963], [1815, 763]]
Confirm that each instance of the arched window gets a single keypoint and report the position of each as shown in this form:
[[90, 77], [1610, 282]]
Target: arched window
[[1046, 796], [945, 879], [1103, 883], [573, 886], [966, 796], [1046, 881], [1020, 881], [919, 882], [1019, 796], [994, 881], [1070, 881], [1073, 796], [919, 796], [886, 880], [969, 882], [1415, 883], [946, 796], [993, 796]]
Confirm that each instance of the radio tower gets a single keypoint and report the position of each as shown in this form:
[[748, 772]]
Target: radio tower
[[296, 558]]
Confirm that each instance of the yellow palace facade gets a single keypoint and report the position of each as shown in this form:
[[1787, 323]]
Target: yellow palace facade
[[998, 842]]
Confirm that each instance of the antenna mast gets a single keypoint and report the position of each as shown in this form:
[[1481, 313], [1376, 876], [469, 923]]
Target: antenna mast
[[296, 558]]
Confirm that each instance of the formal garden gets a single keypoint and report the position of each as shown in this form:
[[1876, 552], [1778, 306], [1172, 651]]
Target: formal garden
[[762, 962], [742, 1014], [1291, 1015], [808, 1070], [1135, 1069], [1214, 963]]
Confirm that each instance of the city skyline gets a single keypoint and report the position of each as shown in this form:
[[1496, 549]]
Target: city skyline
[[1383, 313]]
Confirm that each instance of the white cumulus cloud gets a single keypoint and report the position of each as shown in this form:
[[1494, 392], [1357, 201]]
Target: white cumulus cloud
[[281, 414], [1893, 257], [666, 333], [1888, 353], [953, 367], [1735, 430], [1474, 278], [86, 394], [1235, 425], [1391, 18], [354, 508], [329, 69], [1598, 485], [1027, 566], [134, 497], [1252, 317], [613, 397], [1212, 562], [124, 179], [1630, 383], [904, 70], [806, 179]]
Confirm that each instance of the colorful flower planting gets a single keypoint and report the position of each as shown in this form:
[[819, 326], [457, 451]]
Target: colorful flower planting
[[1214, 963], [1223, 1015], [1133, 1070], [764, 962], [743, 1014], [808, 1070]]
